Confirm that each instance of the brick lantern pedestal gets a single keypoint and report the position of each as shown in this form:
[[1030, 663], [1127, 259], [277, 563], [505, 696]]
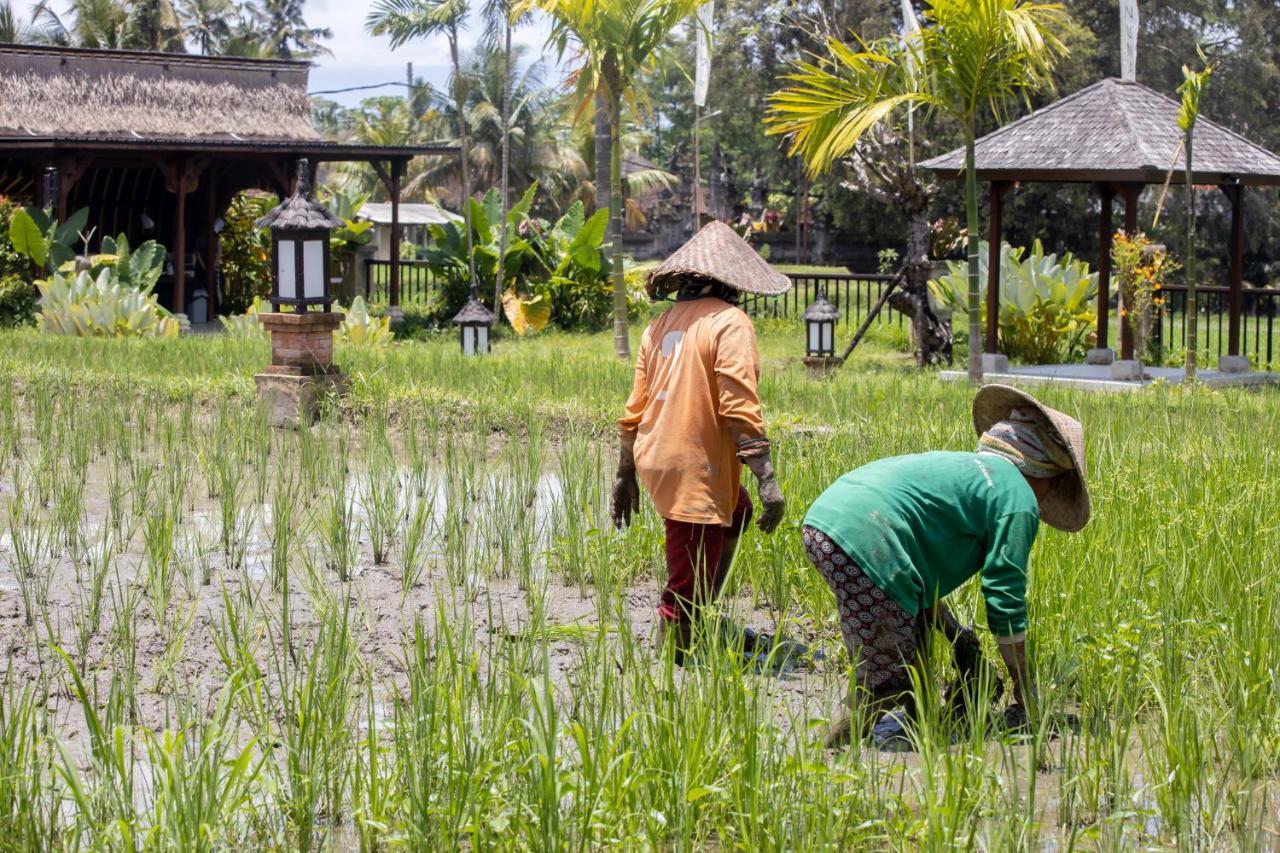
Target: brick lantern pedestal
[[302, 372]]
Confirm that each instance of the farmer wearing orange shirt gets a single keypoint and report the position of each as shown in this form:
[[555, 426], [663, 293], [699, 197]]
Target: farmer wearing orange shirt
[[693, 420]]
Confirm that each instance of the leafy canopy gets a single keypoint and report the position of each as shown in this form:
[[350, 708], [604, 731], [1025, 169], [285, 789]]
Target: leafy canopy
[[969, 55]]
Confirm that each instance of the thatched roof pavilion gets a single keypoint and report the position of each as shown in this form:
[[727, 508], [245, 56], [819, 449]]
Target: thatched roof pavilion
[[1120, 136], [150, 142]]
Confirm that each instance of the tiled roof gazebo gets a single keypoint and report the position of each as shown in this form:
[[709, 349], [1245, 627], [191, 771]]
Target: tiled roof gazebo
[[1120, 136]]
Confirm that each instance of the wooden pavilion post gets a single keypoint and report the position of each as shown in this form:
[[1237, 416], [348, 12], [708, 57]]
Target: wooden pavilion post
[[1233, 362], [211, 244], [1102, 353], [180, 246], [994, 239], [1129, 192], [397, 169]]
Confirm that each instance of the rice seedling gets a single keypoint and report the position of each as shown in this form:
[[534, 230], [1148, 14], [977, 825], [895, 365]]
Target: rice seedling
[[237, 682]]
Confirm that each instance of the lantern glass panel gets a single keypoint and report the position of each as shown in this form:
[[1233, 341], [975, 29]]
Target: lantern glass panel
[[468, 340], [286, 274], [313, 269], [813, 337], [828, 332], [482, 345]]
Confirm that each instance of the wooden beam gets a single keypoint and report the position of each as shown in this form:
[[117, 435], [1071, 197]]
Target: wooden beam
[[383, 175], [211, 242], [397, 168], [70, 170], [1235, 279], [995, 236], [1130, 193], [1105, 231]]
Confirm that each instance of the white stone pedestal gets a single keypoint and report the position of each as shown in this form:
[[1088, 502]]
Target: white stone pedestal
[[1126, 370], [1233, 363], [1104, 355]]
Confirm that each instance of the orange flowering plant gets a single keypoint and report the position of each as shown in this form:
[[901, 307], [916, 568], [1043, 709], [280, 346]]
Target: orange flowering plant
[[1141, 268]]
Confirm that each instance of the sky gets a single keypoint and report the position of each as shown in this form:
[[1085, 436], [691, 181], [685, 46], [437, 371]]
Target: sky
[[360, 59]]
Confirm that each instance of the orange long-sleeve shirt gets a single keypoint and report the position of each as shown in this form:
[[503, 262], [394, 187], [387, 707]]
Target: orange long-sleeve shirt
[[695, 393]]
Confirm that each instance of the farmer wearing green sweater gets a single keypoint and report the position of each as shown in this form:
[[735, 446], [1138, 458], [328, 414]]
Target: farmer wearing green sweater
[[894, 537]]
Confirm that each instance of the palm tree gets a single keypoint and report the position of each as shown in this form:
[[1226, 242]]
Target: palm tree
[[154, 25], [615, 41], [206, 23], [405, 20], [499, 26], [283, 29], [971, 58]]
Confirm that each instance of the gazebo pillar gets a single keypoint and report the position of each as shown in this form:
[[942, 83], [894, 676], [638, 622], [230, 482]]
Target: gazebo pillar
[[1233, 361], [1102, 353], [992, 361], [1130, 193]]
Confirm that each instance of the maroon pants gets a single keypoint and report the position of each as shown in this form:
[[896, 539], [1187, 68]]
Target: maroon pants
[[693, 561]]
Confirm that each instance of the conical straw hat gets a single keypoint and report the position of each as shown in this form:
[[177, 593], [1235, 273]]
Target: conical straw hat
[[1067, 506], [717, 252]]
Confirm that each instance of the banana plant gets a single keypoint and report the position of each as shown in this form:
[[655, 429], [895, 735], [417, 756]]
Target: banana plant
[[42, 239], [138, 268]]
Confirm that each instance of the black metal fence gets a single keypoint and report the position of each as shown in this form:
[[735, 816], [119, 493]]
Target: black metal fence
[[420, 282], [853, 295], [1259, 331]]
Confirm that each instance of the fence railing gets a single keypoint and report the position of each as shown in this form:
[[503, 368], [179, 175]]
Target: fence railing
[[854, 295], [1259, 331], [420, 282]]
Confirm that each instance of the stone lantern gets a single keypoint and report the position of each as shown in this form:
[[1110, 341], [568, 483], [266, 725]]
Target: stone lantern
[[820, 335], [474, 322], [302, 371]]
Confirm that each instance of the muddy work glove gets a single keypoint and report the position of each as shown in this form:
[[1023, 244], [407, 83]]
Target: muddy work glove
[[754, 453], [626, 491]]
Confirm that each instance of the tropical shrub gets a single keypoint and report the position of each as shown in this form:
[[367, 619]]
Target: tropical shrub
[[18, 294], [354, 232], [247, 325], [19, 300], [246, 251], [552, 272], [1047, 313], [360, 328], [101, 306]]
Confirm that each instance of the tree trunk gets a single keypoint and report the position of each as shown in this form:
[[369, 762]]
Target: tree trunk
[[506, 171], [1193, 313], [621, 340], [975, 294], [603, 147], [460, 104], [931, 334]]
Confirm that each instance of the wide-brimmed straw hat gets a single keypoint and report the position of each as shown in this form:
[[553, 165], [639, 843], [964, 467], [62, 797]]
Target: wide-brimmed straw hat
[[717, 252], [1066, 507]]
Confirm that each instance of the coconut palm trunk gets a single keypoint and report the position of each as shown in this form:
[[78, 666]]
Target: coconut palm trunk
[[621, 336], [460, 104], [506, 168], [975, 293]]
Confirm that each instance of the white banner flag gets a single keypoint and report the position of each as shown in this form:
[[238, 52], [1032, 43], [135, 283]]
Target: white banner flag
[[1129, 40], [703, 22]]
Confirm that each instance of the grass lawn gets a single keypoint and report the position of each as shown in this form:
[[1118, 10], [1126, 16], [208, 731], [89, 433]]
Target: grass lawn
[[413, 626]]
